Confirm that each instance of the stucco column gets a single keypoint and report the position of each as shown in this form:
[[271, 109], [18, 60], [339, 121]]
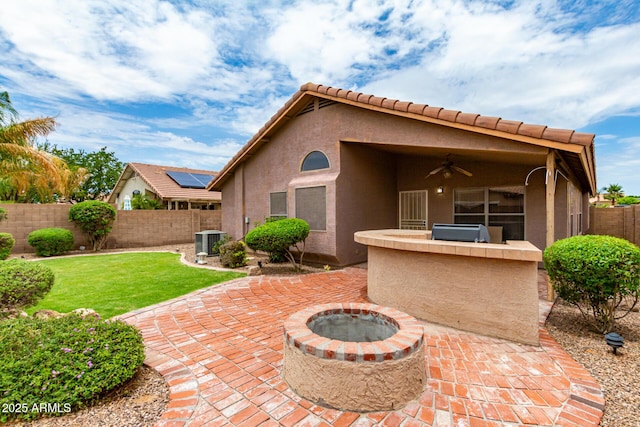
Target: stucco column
[[238, 222], [550, 205]]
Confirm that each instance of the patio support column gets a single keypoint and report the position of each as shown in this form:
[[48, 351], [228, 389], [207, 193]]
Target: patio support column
[[550, 205]]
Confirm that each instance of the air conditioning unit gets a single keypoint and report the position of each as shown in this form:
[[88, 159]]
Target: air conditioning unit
[[206, 239]]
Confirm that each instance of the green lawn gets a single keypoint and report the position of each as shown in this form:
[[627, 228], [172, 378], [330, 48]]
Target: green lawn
[[119, 283]]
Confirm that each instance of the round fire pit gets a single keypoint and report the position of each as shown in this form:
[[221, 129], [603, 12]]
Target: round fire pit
[[354, 357]]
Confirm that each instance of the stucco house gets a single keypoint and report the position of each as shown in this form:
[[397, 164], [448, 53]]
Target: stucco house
[[177, 188], [345, 161]]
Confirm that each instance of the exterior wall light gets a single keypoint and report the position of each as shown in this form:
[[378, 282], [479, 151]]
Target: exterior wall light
[[440, 190]]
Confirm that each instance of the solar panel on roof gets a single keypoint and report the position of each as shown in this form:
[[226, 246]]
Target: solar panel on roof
[[189, 180], [203, 178]]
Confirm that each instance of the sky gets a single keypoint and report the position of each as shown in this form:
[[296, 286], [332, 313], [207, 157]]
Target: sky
[[188, 83]]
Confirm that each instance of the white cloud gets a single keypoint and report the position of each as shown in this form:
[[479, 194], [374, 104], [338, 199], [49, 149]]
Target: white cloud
[[111, 50], [518, 64], [230, 65]]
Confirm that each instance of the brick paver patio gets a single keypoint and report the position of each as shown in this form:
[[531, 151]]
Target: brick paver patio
[[220, 350]]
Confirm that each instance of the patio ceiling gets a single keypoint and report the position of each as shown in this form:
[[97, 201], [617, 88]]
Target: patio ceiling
[[462, 156]]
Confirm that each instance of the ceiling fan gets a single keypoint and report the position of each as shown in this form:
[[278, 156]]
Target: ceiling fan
[[448, 168]]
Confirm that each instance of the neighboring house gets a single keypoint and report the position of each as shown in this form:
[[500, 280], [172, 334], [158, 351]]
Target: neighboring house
[[345, 161], [177, 188]]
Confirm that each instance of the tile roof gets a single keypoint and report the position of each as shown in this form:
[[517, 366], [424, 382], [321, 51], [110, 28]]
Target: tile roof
[[561, 139], [156, 178]]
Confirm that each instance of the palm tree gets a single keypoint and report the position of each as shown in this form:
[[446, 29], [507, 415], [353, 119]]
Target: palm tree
[[614, 192], [29, 173]]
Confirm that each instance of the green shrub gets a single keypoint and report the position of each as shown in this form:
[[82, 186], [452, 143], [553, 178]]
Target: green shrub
[[51, 241], [6, 244], [95, 218], [144, 202], [628, 200], [277, 237], [23, 284], [216, 245], [3, 214], [68, 361], [596, 274], [233, 254]]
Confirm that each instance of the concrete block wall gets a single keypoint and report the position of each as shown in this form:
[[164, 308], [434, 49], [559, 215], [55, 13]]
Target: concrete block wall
[[130, 230], [618, 222]]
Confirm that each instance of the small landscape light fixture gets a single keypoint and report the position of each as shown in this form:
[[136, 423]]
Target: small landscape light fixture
[[440, 190], [260, 264], [614, 341], [201, 258]]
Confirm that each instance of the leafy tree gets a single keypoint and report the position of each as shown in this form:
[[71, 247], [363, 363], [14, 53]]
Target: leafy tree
[[628, 200], [597, 274], [28, 174], [102, 166], [142, 201], [614, 192], [95, 218], [279, 236]]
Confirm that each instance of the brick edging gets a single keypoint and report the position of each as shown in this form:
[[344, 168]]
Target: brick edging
[[586, 403]]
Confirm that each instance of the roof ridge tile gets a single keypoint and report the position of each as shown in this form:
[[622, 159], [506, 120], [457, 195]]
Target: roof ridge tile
[[509, 126], [432, 111], [417, 108], [377, 101], [448, 115]]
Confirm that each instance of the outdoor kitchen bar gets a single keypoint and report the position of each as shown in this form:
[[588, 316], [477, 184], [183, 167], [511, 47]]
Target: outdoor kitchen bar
[[484, 288]]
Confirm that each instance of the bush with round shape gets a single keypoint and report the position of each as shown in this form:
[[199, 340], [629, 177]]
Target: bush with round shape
[[233, 254], [6, 244], [3, 214], [70, 361], [215, 248], [23, 284], [597, 274], [277, 237], [95, 218], [51, 241]]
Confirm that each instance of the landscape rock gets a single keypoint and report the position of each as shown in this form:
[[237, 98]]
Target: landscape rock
[[86, 312], [47, 314]]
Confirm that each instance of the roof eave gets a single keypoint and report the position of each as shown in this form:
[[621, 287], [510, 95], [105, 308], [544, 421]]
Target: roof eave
[[558, 139]]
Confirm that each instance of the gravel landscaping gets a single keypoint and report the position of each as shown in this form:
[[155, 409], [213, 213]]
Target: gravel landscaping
[[618, 375]]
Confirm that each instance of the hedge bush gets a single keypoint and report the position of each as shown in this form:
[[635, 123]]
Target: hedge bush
[[51, 241], [95, 218], [68, 361], [215, 248], [596, 274], [23, 284], [233, 254], [277, 237], [6, 244]]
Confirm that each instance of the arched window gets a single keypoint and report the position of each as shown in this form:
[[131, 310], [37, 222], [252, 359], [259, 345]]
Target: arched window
[[315, 160]]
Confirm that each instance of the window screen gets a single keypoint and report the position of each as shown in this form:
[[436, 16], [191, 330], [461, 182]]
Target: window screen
[[315, 160], [278, 203], [311, 205], [495, 206]]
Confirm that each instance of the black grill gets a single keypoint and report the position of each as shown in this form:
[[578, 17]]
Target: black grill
[[460, 232]]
